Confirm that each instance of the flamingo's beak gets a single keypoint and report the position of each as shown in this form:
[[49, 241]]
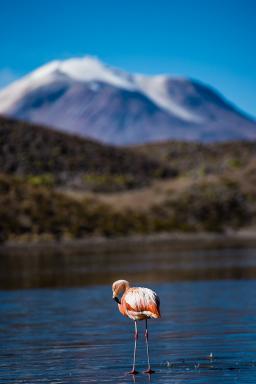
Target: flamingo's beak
[[116, 299]]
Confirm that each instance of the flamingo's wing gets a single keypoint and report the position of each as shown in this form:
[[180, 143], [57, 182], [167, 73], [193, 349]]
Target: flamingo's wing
[[142, 301]]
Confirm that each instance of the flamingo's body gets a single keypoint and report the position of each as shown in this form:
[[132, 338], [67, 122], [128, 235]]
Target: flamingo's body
[[137, 303], [140, 304]]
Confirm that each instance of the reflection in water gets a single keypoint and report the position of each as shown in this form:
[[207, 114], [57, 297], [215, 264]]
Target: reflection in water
[[75, 335], [80, 267], [148, 380]]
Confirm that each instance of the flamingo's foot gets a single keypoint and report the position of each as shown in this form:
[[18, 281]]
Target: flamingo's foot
[[133, 372], [149, 371]]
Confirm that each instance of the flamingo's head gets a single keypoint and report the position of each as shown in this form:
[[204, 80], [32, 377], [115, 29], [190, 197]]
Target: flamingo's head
[[118, 287]]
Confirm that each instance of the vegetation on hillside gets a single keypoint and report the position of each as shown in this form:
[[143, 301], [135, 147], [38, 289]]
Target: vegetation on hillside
[[33, 212], [47, 157], [45, 178], [200, 159]]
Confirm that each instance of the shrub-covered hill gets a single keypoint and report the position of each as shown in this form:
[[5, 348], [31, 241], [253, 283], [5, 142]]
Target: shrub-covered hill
[[215, 187], [33, 212], [48, 157], [199, 159], [29, 212]]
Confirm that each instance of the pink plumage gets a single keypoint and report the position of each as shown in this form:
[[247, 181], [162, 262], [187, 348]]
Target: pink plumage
[[137, 303], [140, 304]]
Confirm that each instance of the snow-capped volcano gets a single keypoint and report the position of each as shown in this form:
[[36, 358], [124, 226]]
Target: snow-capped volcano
[[85, 96]]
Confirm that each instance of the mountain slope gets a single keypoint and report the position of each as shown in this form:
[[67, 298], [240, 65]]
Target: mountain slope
[[86, 97], [44, 156]]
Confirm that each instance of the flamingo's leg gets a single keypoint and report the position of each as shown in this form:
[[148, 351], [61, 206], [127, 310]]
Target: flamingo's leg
[[133, 371], [149, 370]]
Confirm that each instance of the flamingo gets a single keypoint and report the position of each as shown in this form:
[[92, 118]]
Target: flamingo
[[137, 303]]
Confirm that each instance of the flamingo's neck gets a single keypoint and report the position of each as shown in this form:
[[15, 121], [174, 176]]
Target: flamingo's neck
[[125, 286]]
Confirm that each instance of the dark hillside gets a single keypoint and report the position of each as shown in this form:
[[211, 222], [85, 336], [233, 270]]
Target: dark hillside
[[201, 159], [29, 212], [48, 157], [45, 176]]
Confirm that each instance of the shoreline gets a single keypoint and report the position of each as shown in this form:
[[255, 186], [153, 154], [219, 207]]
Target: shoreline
[[172, 241]]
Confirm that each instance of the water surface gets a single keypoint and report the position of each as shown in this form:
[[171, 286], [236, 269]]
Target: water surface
[[80, 267], [207, 333]]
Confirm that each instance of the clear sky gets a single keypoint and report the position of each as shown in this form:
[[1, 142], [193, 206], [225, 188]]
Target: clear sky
[[211, 40]]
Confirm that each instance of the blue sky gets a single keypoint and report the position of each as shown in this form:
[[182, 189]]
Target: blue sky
[[211, 40]]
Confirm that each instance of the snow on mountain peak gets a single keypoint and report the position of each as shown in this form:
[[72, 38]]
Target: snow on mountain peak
[[155, 87], [91, 70], [85, 69], [45, 70]]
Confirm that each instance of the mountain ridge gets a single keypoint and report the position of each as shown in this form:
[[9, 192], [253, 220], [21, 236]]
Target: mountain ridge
[[89, 98]]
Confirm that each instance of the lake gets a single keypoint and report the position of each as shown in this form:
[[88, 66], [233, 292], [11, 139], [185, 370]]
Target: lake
[[60, 325]]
